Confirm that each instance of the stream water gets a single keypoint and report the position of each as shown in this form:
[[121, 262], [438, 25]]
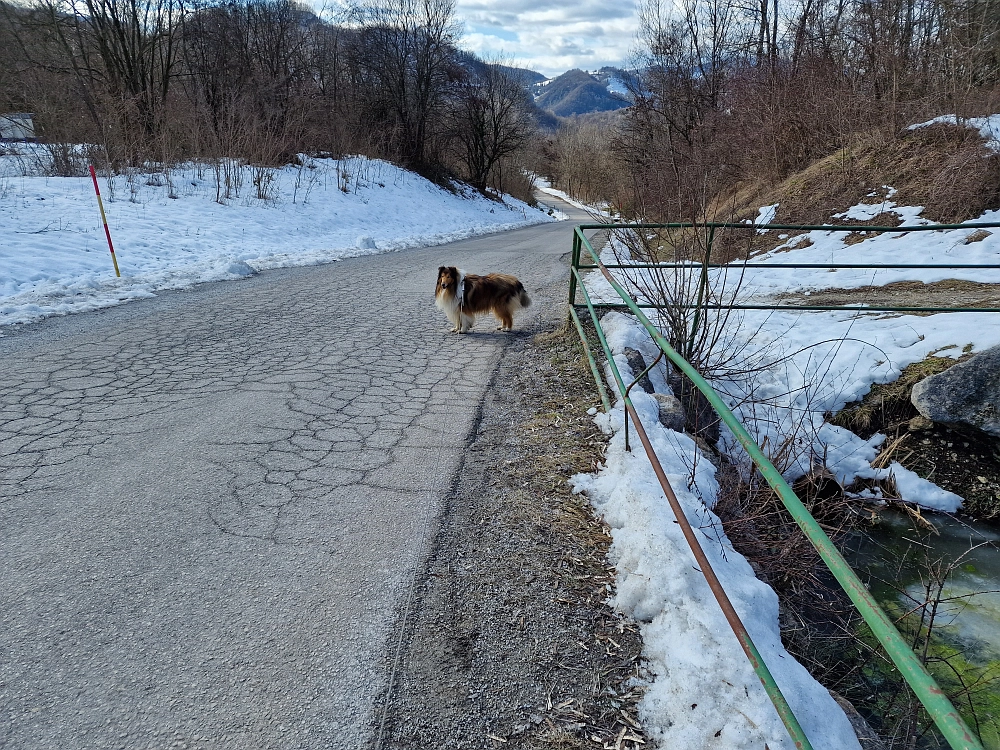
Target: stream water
[[896, 559]]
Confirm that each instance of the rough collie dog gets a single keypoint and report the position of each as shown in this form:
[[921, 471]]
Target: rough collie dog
[[462, 296]]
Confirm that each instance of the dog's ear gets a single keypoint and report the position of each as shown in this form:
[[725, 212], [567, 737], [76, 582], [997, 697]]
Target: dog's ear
[[441, 271]]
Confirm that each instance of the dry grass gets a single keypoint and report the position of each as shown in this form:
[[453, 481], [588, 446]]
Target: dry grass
[[946, 169], [887, 405], [558, 440], [945, 293]]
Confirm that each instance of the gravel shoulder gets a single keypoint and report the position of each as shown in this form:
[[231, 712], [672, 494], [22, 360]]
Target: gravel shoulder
[[508, 640]]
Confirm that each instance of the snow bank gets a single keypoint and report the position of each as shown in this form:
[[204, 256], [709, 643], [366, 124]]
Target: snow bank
[[704, 693], [54, 258], [809, 364], [988, 127], [914, 489]]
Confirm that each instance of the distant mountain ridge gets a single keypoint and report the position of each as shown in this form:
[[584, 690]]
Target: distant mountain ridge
[[528, 77], [577, 92]]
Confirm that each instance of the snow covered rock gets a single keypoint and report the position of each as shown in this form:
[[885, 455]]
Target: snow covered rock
[[967, 393]]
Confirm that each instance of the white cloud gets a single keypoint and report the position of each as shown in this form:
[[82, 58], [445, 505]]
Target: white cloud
[[551, 36]]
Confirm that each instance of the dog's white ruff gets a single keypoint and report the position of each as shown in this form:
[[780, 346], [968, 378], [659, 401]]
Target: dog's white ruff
[[453, 308]]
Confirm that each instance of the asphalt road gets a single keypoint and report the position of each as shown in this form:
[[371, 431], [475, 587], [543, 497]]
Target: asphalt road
[[213, 503]]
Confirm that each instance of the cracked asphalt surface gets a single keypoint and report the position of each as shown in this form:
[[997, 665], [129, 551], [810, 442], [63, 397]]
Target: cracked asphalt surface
[[214, 504]]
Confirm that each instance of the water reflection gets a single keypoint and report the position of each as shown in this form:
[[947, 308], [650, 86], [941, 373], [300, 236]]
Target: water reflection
[[904, 563]]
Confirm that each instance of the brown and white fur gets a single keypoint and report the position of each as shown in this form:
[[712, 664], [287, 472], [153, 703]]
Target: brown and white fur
[[462, 296]]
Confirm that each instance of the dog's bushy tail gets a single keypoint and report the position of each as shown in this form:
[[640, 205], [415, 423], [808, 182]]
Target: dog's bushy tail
[[523, 298]]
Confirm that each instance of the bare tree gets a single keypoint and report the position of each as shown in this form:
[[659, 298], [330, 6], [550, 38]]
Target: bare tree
[[403, 56], [490, 120], [123, 52]]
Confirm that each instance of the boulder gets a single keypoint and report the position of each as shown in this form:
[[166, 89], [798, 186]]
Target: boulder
[[671, 412], [637, 364], [687, 411], [967, 393], [867, 737], [702, 420]]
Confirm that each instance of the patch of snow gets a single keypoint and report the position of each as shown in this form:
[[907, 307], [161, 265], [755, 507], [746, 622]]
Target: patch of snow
[[988, 127], [914, 489], [910, 215], [866, 211], [617, 86], [765, 215], [54, 258]]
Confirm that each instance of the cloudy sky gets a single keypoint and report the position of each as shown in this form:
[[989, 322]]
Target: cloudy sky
[[550, 36]]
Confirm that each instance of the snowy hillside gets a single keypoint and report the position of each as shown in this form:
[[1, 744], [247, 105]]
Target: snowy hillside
[[577, 92], [177, 229]]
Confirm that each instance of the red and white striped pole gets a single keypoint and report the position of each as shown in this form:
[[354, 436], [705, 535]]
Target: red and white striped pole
[[107, 232]]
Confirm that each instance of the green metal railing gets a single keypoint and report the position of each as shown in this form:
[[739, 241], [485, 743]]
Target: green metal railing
[[705, 264], [940, 709]]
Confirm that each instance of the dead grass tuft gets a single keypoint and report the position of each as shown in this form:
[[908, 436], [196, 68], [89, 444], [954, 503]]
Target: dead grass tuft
[[944, 293]]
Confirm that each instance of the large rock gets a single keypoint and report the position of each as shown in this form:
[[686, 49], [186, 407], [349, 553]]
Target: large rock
[[687, 410], [967, 393], [672, 414], [701, 418]]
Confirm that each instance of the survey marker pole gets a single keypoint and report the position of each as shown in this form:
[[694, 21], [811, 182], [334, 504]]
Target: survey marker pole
[[104, 219]]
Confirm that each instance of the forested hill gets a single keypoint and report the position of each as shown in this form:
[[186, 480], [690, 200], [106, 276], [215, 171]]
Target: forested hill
[[577, 92]]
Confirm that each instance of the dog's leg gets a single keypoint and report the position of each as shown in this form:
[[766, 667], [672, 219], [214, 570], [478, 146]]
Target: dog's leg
[[467, 322], [506, 318]]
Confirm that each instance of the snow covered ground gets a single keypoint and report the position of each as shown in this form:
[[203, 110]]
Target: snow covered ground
[[988, 127], [823, 360], [598, 212], [170, 231], [53, 260], [703, 693]]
